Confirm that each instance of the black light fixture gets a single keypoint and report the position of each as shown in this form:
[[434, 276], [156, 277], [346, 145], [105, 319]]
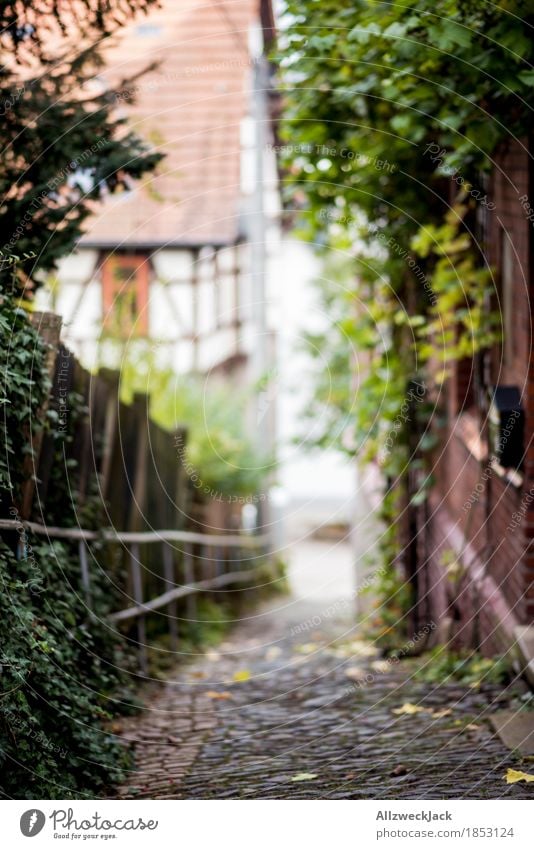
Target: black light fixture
[[506, 426]]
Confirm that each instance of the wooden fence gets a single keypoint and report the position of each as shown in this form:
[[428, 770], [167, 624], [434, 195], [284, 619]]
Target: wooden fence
[[147, 502]]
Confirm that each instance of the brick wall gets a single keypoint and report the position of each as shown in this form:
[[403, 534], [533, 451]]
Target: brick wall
[[472, 506]]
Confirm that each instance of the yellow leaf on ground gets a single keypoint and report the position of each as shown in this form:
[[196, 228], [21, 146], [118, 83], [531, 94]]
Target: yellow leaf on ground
[[241, 675], [381, 666], [353, 649], [273, 652], [437, 714], [408, 708], [304, 776], [213, 694], [306, 648], [356, 673], [513, 775], [213, 655]]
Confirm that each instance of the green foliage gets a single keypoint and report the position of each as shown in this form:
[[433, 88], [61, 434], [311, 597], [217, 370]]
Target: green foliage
[[63, 145], [23, 387], [385, 105], [459, 322], [220, 458], [218, 447], [61, 670], [441, 665], [393, 596], [388, 106], [212, 621]]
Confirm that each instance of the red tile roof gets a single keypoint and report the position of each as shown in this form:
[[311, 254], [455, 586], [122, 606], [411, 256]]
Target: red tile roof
[[189, 108]]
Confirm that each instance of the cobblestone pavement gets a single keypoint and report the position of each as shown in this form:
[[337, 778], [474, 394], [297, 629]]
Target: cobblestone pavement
[[280, 713]]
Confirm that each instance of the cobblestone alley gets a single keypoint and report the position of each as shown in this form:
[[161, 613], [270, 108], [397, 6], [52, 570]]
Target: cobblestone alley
[[296, 704]]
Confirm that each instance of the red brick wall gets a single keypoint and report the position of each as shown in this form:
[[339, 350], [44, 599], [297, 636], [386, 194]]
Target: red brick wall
[[497, 590]]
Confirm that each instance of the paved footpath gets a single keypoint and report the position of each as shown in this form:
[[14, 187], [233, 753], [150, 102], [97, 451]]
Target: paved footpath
[[280, 712]]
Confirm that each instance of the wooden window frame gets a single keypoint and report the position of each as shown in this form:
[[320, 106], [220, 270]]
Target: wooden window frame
[[138, 278]]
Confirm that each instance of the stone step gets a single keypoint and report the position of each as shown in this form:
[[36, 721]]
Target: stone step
[[516, 730]]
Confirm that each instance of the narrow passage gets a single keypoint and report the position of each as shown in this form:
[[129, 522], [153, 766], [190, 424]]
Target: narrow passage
[[295, 703]]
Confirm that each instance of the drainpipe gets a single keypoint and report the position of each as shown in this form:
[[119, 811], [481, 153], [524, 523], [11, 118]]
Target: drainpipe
[[260, 358]]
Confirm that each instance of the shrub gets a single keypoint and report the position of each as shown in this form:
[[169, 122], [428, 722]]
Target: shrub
[[61, 665]]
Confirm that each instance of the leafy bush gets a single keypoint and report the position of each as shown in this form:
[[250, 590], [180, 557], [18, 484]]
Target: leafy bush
[[387, 108], [441, 665], [61, 675], [218, 449], [59, 670], [70, 148]]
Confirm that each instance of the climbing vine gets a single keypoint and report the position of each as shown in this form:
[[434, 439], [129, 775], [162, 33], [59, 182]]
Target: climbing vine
[[393, 112]]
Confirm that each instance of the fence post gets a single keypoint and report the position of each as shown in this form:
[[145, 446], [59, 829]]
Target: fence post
[[84, 569], [110, 428], [206, 567], [168, 571], [219, 560], [137, 583], [189, 578]]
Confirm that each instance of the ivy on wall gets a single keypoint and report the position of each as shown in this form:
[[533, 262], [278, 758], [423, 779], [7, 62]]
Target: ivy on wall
[[61, 678]]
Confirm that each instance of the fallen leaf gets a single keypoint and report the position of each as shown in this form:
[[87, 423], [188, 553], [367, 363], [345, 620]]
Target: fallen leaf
[[304, 776], [198, 674], [213, 655], [471, 726], [437, 714], [306, 648], [213, 694], [513, 775], [353, 649], [273, 652], [356, 673], [399, 770], [408, 708], [381, 666], [350, 775], [241, 675]]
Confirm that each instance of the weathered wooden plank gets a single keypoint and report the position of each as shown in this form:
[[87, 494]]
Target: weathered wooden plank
[[189, 580], [111, 535], [141, 610], [49, 531], [110, 428], [187, 536], [172, 610], [138, 478], [137, 583]]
